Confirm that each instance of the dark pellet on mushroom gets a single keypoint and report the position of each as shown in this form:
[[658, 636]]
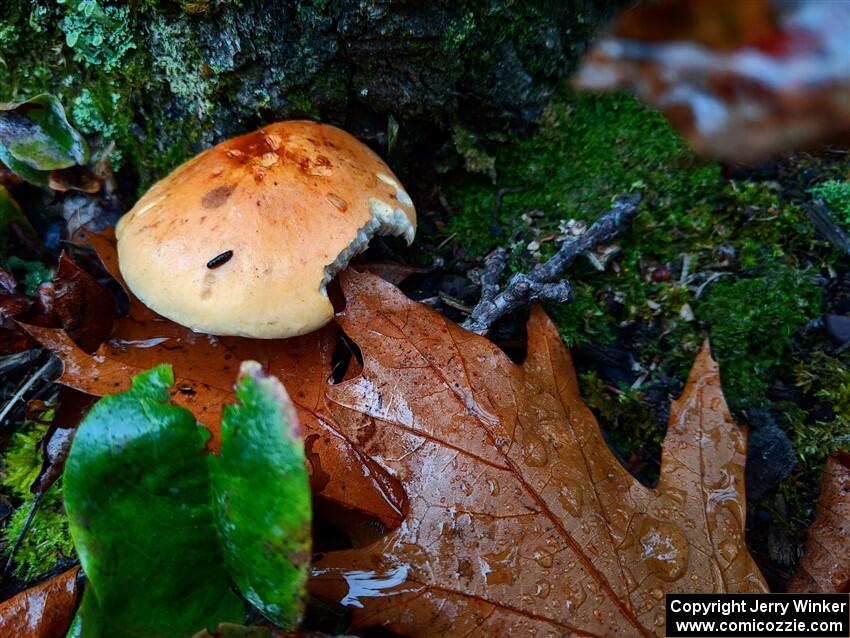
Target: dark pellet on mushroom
[[220, 260]]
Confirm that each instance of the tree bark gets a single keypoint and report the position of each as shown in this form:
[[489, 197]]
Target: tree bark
[[164, 79]]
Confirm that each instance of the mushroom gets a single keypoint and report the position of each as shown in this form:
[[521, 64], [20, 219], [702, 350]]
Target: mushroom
[[244, 238]]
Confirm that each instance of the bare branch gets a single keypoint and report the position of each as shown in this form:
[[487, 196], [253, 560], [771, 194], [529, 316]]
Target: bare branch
[[825, 226], [542, 284]]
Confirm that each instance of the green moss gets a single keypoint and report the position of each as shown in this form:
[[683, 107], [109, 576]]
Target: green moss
[[30, 60], [815, 432], [582, 319], [475, 158], [589, 149], [836, 195], [21, 462], [302, 104], [92, 73], [109, 76], [39, 19], [752, 322], [166, 149], [752, 282], [625, 412], [458, 32], [8, 36], [47, 540], [30, 274], [827, 379]]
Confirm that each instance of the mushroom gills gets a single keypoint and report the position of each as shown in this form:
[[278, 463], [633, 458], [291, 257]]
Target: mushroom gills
[[385, 221]]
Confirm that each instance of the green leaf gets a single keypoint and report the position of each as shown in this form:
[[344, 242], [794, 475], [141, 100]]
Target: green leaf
[[261, 494], [161, 527], [33, 176], [37, 134], [90, 618], [138, 500]]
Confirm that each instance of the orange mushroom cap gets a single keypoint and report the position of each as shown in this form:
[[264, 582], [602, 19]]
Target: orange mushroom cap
[[244, 238]]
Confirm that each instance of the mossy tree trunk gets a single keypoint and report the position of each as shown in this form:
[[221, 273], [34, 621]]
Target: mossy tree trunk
[[163, 79]]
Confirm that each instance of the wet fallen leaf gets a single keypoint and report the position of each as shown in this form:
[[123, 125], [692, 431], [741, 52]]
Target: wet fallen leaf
[[73, 300], [204, 367], [35, 136], [43, 611], [521, 520], [825, 567], [740, 80], [54, 448], [80, 305], [86, 212], [75, 178], [392, 272], [12, 304], [71, 406]]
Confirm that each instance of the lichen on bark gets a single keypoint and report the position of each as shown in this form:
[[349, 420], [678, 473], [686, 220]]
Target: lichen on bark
[[164, 78]]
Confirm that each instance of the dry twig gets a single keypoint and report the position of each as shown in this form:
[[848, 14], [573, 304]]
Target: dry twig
[[822, 220], [541, 283], [47, 371]]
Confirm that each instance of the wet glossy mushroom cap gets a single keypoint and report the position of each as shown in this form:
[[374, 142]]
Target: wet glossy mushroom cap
[[243, 239]]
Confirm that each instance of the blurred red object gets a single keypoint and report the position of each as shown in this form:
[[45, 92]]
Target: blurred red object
[[740, 79]]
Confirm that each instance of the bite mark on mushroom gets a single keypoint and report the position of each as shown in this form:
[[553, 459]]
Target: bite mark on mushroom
[[400, 193], [385, 221]]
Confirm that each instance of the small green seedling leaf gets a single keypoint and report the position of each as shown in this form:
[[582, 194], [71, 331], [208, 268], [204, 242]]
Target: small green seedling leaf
[[37, 134], [138, 500], [162, 528], [261, 493]]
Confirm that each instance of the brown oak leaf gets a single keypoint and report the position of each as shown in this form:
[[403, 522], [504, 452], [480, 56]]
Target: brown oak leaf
[[825, 567], [204, 369], [521, 520], [43, 611], [73, 300]]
